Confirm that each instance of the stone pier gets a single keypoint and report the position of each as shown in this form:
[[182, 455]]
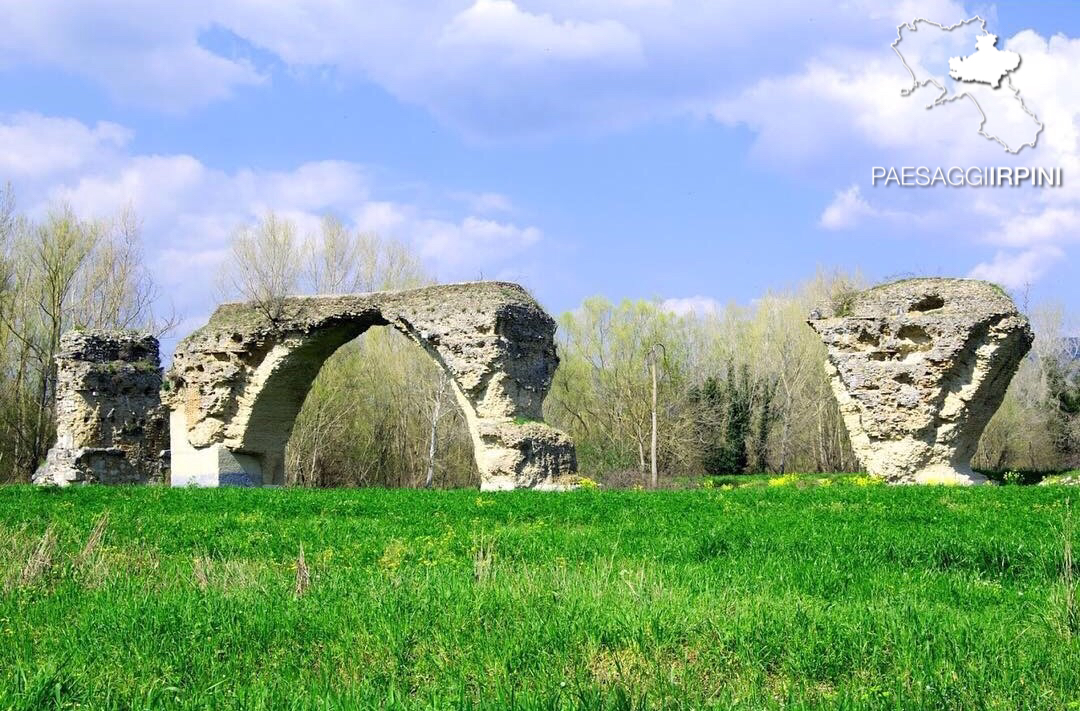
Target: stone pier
[[110, 425], [918, 368]]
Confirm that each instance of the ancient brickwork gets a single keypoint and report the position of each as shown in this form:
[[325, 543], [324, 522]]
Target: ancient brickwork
[[919, 367], [237, 384], [110, 425]]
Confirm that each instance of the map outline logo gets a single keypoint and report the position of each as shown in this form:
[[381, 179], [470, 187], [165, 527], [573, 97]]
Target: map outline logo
[[984, 47]]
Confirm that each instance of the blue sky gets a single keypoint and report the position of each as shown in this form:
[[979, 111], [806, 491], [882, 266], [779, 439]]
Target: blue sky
[[687, 150]]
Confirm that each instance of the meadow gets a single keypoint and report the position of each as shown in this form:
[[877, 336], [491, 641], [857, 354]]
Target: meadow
[[837, 594]]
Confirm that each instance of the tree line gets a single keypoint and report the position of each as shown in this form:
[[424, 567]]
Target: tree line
[[649, 396], [742, 389]]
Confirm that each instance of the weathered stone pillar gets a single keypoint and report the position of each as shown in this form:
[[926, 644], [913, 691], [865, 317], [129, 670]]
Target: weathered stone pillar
[[918, 368], [110, 425]]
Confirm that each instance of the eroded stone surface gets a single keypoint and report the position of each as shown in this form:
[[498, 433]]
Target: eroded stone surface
[[110, 424], [237, 384], [919, 367]]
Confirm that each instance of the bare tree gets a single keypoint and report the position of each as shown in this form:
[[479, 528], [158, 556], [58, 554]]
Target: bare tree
[[264, 265], [377, 412], [60, 273], [7, 214], [116, 289], [652, 357], [337, 259], [437, 414]]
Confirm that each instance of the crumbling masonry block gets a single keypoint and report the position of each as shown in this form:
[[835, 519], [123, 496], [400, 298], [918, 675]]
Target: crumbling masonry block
[[919, 367], [110, 425]]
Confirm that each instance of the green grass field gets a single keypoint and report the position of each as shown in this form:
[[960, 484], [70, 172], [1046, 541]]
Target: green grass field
[[838, 596]]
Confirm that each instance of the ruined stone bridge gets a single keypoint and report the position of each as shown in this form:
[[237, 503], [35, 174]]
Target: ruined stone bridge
[[237, 384], [918, 367]]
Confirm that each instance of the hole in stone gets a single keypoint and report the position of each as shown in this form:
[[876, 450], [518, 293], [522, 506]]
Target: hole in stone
[[928, 303], [868, 338], [904, 378], [915, 335]]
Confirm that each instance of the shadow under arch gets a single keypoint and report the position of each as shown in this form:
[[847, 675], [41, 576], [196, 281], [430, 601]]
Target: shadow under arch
[[237, 385]]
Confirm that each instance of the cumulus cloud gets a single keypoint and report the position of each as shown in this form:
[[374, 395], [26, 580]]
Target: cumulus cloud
[[847, 112], [190, 210], [486, 203], [846, 210], [492, 68], [140, 52], [1016, 270], [523, 37], [823, 101], [849, 209], [692, 306], [473, 242], [851, 115], [32, 146], [1048, 225]]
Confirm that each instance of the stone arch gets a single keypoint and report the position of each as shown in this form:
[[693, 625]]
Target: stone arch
[[237, 384]]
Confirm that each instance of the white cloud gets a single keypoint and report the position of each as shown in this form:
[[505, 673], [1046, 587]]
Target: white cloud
[[1049, 225], [190, 210], [142, 53], [846, 210], [492, 68], [843, 113], [849, 209], [32, 145], [1015, 270], [692, 305], [312, 186], [380, 217], [846, 112], [498, 68], [521, 37], [474, 242], [487, 203], [822, 98], [156, 184]]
